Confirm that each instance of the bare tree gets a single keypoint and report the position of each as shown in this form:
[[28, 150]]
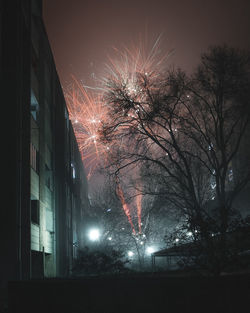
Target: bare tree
[[186, 134]]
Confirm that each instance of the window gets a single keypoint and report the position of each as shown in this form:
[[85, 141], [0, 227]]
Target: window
[[73, 171], [34, 106], [49, 220], [48, 177], [35, 211], [34, 158]]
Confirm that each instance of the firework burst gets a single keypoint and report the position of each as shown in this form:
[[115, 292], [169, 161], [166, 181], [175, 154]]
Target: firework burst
[[129, 66], [89, 112]]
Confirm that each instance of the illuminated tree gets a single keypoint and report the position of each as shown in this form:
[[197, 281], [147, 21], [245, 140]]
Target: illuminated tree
[[186, 135]]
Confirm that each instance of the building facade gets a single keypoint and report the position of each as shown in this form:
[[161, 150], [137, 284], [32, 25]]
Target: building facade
[[45, 189]]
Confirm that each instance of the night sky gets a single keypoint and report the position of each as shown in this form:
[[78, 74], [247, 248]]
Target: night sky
[[83, 32]]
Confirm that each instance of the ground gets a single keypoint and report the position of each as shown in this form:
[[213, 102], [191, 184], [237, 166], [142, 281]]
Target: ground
[[134, 294]]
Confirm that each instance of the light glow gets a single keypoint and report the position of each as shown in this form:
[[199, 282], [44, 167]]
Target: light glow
[[150, 250], [130, 253], [94, 234]]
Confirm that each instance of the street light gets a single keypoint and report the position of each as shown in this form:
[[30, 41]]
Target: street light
[[150, 250], [94, 234], [130, 253]]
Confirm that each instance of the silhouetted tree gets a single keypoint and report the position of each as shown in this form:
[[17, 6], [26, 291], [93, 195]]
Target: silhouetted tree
[[186, 135]]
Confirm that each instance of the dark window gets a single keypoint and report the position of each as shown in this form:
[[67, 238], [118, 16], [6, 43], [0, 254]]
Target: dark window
[[34, 106], [48, 177], [35, 211], [34, 158]]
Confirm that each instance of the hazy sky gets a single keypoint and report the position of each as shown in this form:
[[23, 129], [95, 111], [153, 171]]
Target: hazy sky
[[83, 32]]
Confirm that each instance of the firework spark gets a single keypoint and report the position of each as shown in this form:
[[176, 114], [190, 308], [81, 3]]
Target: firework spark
[[129, 66], [87, 112]]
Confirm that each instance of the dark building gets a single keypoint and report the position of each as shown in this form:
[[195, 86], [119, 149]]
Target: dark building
[[45, 188]]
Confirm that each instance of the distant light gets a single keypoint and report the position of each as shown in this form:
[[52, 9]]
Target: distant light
[[189, 233], [141, 242], [130, 253], [109, 238], [177, 240], [94, 234], [150, 250]]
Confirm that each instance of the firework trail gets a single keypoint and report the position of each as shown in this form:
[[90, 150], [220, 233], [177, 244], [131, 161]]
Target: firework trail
[[125, 206], [139, 209]]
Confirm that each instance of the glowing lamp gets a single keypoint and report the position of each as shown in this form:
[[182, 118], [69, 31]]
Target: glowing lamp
[[150, 250], [94, 234], [130, 253]]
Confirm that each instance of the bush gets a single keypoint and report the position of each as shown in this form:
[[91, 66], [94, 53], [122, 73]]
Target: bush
[[95, 262]]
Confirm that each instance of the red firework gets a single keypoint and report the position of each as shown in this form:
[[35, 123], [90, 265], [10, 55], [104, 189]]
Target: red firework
[[88, 112], [139, 208], [125, 206]]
